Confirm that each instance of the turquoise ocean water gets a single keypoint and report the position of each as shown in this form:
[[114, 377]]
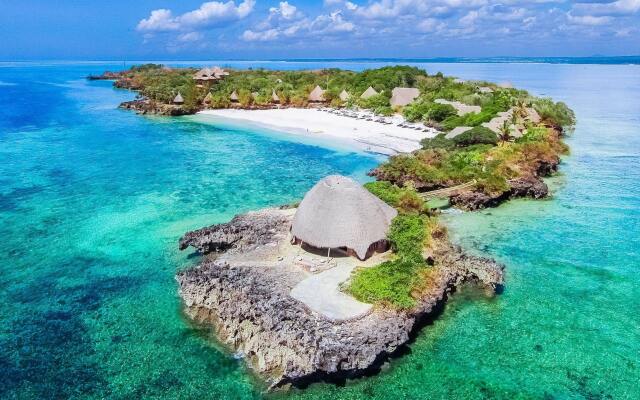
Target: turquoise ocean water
[[93, 200]]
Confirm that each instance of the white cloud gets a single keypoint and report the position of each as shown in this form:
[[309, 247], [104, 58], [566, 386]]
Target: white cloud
[[588, 20], [190, 37], [159, 21], [208, 15], [606, 8], [285, 10]]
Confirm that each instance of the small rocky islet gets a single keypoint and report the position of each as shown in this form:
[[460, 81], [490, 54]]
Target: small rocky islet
[[247, 300], [296, 313]]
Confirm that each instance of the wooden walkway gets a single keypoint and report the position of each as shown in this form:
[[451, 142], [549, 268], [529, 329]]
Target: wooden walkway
[[446, 192]]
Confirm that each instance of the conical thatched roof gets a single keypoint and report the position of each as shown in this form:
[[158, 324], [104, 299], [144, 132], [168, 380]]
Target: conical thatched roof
[[403, 96], [274, 97], [178, 99], [207, 99], [339, 212], [234, 96], [344, 96], [370, 92], [316, 94]]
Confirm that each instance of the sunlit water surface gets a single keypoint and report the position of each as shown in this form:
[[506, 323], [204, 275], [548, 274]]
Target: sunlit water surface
[[93, 200]]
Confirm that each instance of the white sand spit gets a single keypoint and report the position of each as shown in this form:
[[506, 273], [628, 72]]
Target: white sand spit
[[367, 135]]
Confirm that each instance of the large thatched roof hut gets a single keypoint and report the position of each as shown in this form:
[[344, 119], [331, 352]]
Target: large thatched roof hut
[[370, 92], [210, 74], [400, 97], [339, 212], [316, 95]]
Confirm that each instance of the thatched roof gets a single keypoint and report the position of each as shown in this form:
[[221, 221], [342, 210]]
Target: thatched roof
[[274, 97], [178, 99], [234, 96], [344, 96], [370, 92], [317, 94], [400, 97], [207, 98], [461, 108], [339, 212], [209, 74]]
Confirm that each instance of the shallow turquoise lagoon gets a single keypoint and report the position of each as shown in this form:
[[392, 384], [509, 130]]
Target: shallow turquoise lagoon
[[93, 200]]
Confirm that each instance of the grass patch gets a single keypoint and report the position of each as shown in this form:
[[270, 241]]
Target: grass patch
[[393, 282]]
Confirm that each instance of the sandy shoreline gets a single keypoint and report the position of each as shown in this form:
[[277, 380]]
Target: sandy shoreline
[[369, 136]]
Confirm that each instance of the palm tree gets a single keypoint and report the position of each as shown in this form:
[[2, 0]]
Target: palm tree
[[505, 132]]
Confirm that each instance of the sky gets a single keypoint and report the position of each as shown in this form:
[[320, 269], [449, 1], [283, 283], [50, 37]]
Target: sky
[[265, 29]]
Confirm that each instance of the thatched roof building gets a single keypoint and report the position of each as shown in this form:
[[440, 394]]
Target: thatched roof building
[[178, 99], [400, 97], [274, 97], [317, 95], [370, 92], [208, 98], [344, 95], [234, 97], [210, 74], [339, 212]]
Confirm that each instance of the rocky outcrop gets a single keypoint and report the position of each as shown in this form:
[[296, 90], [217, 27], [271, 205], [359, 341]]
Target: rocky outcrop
[[528, 186], [475, 200], [249, 306], [241, 233], [145, 106]]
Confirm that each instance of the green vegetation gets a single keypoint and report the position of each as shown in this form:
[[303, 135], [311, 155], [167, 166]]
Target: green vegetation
[[555, 113], [293, 87], [406, 199], [394, 282], [476, 135]]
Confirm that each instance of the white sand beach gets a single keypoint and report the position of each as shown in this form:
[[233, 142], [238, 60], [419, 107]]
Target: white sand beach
[[366, 135]]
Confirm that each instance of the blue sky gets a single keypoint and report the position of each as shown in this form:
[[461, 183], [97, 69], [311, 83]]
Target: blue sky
[[188, 29]]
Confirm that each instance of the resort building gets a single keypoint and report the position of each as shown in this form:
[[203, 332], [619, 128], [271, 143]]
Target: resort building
[[338, 213], [208, 98], [461, 108], [210, 74], [317, 95], [234, 97], [370, 92], [178, 99], [344, 96], [401, 97]]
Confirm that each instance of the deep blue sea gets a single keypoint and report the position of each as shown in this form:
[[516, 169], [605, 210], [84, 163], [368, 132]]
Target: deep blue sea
[[93, 200]]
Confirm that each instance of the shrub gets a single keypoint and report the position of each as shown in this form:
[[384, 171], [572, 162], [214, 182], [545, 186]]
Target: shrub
[[393, 282], [385, 111], [438, 142], [556, 113], [477, 135], [440, 112], [407, 235], [405, 199], [416, 111]]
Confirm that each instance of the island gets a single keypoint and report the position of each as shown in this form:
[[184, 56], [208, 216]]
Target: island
[[334, 286]]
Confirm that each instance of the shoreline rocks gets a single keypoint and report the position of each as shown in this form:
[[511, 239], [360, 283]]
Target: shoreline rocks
[[248, 304], [145, 106]]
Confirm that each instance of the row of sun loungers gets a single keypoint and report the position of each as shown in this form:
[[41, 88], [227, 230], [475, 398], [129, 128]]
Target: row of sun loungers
[[367, 116]]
